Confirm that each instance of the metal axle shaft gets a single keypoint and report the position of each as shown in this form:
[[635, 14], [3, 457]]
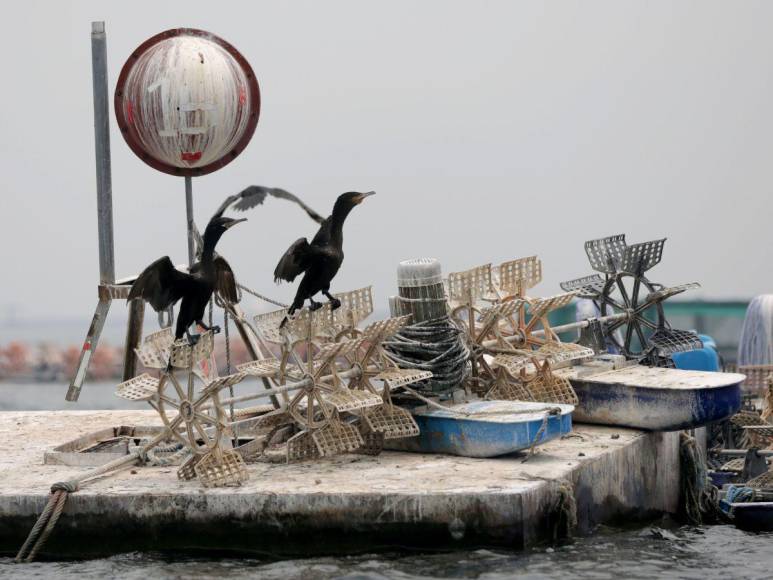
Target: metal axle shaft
[[347, 374], [517, 338]]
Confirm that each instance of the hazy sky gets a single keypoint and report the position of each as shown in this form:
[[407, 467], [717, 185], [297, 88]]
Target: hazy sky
[[490, 130]]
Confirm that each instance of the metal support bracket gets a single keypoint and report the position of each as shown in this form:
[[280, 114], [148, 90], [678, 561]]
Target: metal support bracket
[[89, 346]]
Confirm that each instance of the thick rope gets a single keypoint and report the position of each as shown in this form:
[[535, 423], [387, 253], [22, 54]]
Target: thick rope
[[537, 435], [32, 538], [691, 479], [61, 490], [433, 345], [261, 297], [59, 502], [699, 496], [174, 454], [566, 507]]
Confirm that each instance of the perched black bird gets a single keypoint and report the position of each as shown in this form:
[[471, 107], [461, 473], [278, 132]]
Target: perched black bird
[[320, 259], [162, 285]]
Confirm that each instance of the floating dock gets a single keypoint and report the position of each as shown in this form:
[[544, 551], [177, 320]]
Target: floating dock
[[345, 503]]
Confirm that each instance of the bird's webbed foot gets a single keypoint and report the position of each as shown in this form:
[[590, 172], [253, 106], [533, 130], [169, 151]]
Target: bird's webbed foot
[[335, 303], [214, 328], [314, 305], [193, 339]]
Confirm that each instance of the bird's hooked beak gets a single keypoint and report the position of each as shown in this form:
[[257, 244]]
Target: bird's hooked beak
[[234, 222], [362, 196]]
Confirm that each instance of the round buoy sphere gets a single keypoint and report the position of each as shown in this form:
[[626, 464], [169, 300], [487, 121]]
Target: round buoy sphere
[[187, 102]]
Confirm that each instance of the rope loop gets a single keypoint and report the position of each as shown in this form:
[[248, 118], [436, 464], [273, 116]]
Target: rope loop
[[68, 486]]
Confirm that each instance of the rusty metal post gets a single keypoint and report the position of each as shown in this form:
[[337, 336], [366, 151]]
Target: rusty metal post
[[133, 337], [190, 223], [104, 200]]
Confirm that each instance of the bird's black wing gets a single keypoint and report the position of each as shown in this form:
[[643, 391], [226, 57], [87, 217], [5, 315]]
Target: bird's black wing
[[295, 260], [161, 284], [225, 281], [255, 195]]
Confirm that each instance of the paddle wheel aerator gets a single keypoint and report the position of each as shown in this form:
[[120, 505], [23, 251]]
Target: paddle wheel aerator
[[331, 366], [632, 321], [186, 395], [513, 349]]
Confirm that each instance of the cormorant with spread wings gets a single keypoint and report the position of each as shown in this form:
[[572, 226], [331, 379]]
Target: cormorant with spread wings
[[163, 285], [320, 259]]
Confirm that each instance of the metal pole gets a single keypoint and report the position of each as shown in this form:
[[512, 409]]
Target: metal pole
[[89, 346], [744, 452], [557, 329], [102, 150], [190, 224], [582, 324], [104, 201], [347, 374]]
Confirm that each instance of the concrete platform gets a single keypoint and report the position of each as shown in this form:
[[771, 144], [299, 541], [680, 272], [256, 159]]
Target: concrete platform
[[347, 503]]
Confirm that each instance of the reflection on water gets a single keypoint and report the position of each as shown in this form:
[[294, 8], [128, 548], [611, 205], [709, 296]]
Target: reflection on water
[[719, 552]]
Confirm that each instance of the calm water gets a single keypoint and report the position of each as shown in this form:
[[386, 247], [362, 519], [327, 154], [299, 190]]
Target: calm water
[[50, 397], [719, 552], [651, 551]]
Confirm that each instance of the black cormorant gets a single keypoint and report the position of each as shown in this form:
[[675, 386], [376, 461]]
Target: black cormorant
[[320, 259], [162, 285]]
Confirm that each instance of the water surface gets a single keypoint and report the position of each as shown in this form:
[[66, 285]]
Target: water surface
[[718, 552]]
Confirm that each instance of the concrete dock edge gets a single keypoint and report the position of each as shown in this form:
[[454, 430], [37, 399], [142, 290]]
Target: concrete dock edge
[[352, 503]]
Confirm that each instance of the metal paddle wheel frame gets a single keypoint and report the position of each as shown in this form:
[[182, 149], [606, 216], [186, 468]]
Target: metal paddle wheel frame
[[466, 291], [514, 278], [386, 421], [511, 358], [191, 410], [331, 363], [308, 366], [631, 321]]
